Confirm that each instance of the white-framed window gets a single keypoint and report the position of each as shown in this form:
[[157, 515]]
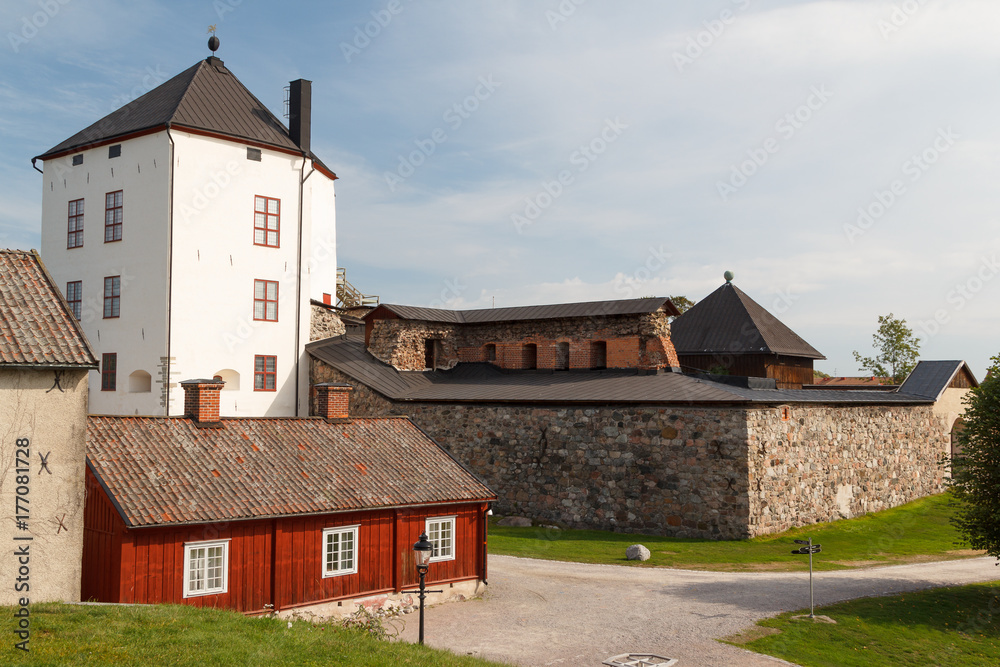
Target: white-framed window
[[441, 533], [206, 568], [340, 551]]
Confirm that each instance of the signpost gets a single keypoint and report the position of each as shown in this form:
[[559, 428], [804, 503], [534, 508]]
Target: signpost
[[810, 549]]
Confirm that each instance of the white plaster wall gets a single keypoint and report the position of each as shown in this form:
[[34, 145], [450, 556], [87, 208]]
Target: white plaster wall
[[138, 336], [320, 207], [215, 263], [55, 423]]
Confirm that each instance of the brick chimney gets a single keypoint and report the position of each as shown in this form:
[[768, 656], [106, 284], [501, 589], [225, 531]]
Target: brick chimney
[[201, 401], [332, 400]]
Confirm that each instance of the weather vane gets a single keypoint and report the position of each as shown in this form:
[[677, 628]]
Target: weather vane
[[213, 41]]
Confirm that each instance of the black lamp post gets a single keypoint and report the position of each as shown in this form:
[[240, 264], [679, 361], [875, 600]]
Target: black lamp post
[[422, 549]]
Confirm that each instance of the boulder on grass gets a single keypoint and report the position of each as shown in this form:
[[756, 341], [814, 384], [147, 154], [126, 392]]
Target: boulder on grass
[[515, 521], [637, 552]]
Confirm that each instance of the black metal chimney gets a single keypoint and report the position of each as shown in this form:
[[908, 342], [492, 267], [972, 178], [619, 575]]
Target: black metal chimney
[[300, 112]]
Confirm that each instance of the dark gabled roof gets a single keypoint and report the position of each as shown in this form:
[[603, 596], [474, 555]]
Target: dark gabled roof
[[728, 321], [37, 328], [930, 378], [522, 313], [484, 383], [165, 470], [206, 96]]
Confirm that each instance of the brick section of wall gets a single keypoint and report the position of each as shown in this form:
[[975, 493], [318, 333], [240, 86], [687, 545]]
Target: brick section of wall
[[826, 463], [333, 400], [632, 341], [201, 400]]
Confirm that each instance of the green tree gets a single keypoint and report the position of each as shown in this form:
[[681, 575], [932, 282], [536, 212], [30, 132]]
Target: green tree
[[682, 302], [896, 347], [976, 470]]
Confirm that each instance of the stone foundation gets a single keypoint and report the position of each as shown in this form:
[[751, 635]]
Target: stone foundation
[[452, 592]]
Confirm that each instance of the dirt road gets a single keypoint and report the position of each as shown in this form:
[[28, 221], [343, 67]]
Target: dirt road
[[551, 613]]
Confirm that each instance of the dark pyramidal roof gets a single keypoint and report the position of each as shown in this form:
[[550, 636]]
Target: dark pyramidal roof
[[728, 321], [206, 97]]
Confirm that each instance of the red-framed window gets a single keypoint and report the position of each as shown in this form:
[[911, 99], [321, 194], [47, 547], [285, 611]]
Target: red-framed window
[[265, 373], [74, 228], [74, 297], [266, 221], [112, 296], [113, 216], [109, 371], [265, 300]]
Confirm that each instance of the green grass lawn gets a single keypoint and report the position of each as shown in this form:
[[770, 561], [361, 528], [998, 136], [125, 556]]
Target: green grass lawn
[[918, 531], [944, 626], [181, 635]]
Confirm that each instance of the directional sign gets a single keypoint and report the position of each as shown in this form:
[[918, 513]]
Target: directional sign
[[803, 541], [814, 549]]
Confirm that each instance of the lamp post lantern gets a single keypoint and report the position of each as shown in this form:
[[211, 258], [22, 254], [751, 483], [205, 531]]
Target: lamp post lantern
[[422, 549]]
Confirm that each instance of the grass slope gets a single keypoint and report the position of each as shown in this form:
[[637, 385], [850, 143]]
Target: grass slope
[[181, 635], [957, 626], [916, 531]]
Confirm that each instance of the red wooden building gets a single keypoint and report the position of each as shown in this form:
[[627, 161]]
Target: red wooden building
[[260, 514]]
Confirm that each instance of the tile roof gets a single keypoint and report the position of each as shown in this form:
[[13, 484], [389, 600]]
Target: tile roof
[[206, 96], [728, 321], [36, 325], [930, 378], [522, 313], [166, 470], [484, 383]]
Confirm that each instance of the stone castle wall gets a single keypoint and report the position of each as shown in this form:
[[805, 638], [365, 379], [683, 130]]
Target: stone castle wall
[[717, 472], [324, 323], [825, 463]]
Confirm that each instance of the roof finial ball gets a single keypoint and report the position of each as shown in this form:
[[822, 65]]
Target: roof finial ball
[[213, 41], [728, 275]]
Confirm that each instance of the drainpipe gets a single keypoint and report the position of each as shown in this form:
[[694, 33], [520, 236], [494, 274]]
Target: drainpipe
[[170, 267], [303, 177]]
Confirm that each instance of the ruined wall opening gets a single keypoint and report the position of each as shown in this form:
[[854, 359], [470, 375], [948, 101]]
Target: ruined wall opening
[[599, 355], [562, 357]]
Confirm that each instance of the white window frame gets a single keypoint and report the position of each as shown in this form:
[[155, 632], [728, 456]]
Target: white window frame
[[433, 536], [188, 547], [340, 530]]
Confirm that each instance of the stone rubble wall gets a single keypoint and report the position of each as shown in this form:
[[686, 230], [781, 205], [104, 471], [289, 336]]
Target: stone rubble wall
[[830, 462], [324, 323], [718, 472]]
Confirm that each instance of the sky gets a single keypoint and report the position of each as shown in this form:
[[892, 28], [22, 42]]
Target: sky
[[840, 157]]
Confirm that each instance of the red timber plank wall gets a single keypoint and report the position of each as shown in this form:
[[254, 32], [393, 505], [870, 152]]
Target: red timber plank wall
[[271, 562]]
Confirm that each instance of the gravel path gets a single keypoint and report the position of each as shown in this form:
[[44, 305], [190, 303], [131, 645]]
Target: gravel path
[[539, 612]]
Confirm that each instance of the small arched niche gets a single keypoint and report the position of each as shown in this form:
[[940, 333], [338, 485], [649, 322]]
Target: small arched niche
[[140, 382], [230, 377]]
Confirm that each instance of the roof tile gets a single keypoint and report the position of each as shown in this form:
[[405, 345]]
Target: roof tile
[[36, 325]]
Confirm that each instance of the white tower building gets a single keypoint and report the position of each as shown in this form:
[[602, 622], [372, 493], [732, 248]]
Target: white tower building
[[189, 230]]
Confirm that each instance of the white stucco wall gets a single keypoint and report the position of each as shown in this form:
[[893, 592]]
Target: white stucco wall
[[195, 278], [138, 336], [54, 423]]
